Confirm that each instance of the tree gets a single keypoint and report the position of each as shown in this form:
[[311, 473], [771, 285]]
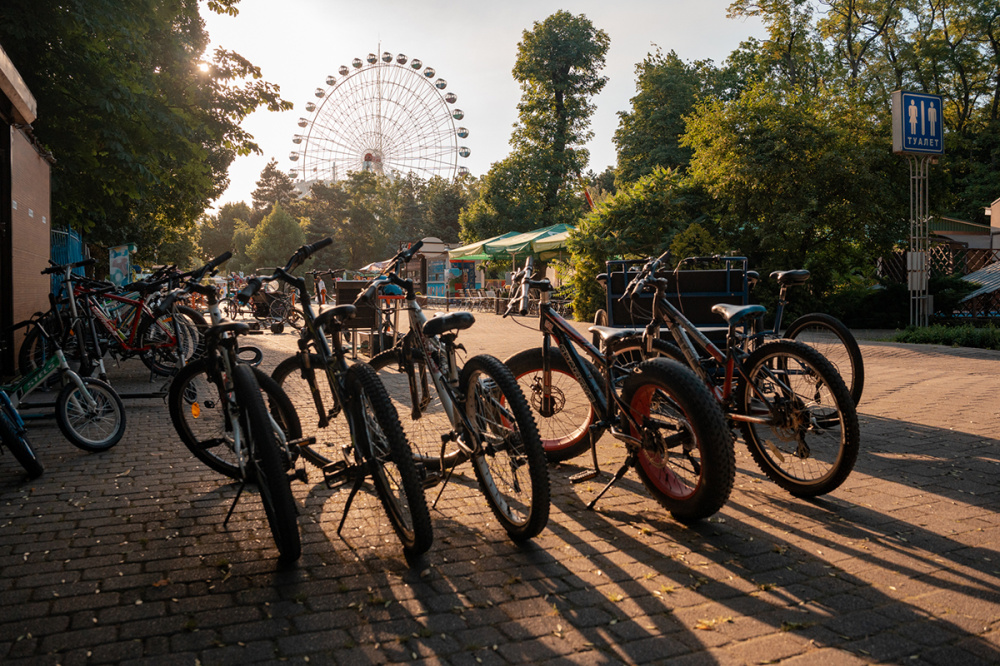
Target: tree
[[273, 187], [558, 67], [216, 231], [142, 127], [649, 135], [275, 239]]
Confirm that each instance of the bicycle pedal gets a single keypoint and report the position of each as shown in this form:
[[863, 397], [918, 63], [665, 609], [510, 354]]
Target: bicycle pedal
[[585, 475], [431, 479], [302, 440], [337, 473]]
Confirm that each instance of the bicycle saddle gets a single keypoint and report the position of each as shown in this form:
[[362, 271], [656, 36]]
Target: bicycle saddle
[[455, 321], [734, 313], [609, 334], [798, 276], [213, 333], [334, 317]]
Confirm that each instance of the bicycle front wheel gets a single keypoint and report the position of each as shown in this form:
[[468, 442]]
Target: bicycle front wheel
[[509, 460], [810, 440], [196, 403], [322, 416], [95, 427], [15, 439], [832, 339], [685, 457], [420, 410], [269, 469], [394, 473], [565, 415]]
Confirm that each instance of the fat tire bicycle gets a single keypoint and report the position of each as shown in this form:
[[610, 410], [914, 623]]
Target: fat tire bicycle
[[217, 407], [456, 412], [674, 431], [791, 406], [351, 431]]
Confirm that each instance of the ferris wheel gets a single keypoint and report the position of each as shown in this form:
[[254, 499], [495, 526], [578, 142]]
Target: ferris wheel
[[387, 115]]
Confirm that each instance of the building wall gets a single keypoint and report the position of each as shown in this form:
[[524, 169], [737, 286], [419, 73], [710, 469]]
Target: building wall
[[31, 219]]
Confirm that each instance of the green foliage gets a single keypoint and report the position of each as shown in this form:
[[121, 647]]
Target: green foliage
[[558, 68], [273, 187], [142, 136], [216, 231], [637, 222], [275, 239], [695, 241], [966, 335]]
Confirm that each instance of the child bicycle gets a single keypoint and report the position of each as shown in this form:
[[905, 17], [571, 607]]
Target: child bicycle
[[674, 432], [476, 412], [791, 406], [217, 406], [353, 433]]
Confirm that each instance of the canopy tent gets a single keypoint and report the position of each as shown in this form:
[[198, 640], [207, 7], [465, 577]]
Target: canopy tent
[[545, 242], [374, 267], [476, 251]]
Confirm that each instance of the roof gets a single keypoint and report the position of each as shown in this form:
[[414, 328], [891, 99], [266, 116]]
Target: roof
[[14, 87], [987, 278]]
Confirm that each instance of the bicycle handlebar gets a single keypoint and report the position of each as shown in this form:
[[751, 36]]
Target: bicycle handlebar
[[59, 268], [297, 259]]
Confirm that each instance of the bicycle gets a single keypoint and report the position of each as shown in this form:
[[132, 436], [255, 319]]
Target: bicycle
[[88, 411], [14, 436], [822, 332], [453, 413], [674, 432], [216, 404], [779, 395], [354, 433]]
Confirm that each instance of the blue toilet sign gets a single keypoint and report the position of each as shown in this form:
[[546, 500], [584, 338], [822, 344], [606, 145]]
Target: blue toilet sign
[[917, 124]]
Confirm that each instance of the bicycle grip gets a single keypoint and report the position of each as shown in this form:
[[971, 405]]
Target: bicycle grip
[[253, 286], [412, 251], [368, 295], [218, 261], [318, 245]]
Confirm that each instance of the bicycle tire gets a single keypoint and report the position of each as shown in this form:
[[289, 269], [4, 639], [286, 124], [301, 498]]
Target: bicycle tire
[[697, 483], [565, 423], [162, 356], [197, 325], [270, 472], [424, 425], [15, 438], [91, 429], [198, 414], [600, 319], [394, 473], [821, 406], [830, 337], [496, 407], [290, 376]]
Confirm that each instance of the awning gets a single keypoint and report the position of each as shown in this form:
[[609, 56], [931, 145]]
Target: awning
[[475, 251]]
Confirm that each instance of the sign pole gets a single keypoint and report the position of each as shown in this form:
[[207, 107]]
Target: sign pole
[[917, 268], [918, 134]]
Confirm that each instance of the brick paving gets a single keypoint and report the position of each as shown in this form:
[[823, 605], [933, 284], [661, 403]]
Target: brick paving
[[121, 557]]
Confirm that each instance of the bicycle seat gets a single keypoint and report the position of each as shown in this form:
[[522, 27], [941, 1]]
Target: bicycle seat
[[733, 314], [335, 316], [213, 333], [609, 334], [798, 276], [455, 321]]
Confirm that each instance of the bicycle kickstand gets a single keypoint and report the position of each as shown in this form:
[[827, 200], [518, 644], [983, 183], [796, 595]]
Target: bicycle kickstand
[[588, 474], [629, 462], [239, 492], [359, 480]]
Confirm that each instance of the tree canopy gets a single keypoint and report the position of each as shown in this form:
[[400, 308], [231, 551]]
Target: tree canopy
[[143, 124]]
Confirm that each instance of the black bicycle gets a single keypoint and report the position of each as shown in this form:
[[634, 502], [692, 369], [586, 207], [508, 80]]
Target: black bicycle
[[674, 432], [455, 412], [217, 405], [352, 431]]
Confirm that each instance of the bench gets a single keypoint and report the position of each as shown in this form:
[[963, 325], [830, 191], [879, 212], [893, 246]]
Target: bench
[[699, 290]]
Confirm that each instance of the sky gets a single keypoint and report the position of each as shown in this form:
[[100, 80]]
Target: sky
[[473, 45]]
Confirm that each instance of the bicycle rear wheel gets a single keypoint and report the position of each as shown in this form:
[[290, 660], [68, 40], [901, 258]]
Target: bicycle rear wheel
[[270, 472], [15, 438], [564, 417], [686, 458], [198, 412], [394, 473], [832, 339], [424, 419], [509, 462], [91, 428], [811, 441]]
